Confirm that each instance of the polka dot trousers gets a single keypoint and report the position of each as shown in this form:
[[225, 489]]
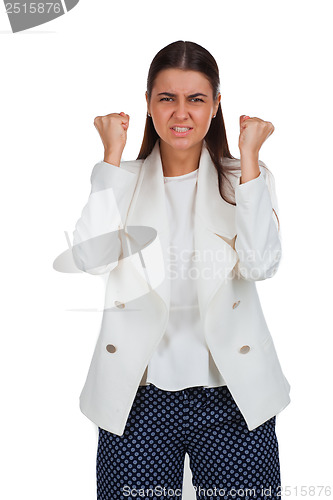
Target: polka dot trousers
[[227, 460]]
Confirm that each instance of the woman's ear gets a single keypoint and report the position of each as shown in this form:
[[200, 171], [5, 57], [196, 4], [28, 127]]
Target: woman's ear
[[218, 102], [146, 95]]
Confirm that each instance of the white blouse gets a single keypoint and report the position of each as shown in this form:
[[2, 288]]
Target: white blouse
[[182, 358]]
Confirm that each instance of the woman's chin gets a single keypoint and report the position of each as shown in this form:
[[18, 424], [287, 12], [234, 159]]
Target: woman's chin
[[180, 144]]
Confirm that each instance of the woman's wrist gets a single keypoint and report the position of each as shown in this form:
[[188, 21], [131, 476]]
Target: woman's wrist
[[112, 157], [249, 166]]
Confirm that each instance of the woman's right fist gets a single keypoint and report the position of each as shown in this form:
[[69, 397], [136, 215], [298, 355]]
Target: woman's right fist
[[112, 129]]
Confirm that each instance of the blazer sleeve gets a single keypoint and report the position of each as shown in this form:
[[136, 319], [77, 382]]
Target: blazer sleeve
[[96, 238], [258, 236]]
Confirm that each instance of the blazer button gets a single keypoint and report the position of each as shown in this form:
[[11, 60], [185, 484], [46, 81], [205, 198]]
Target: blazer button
[[111, 348], [236, 304], [119, 304], [244, 349]]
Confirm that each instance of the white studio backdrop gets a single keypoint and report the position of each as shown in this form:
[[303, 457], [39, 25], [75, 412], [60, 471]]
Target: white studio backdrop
[[274, 64]]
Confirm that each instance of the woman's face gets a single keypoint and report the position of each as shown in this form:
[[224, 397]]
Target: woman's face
[[182, 99]]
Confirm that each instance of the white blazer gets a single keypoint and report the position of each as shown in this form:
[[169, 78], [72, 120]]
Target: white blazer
[[123, 231]]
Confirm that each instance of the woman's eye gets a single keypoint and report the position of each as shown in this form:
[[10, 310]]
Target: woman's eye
[[194, 99]]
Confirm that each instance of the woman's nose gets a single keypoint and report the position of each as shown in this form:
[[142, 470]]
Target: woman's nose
[[181, 111]]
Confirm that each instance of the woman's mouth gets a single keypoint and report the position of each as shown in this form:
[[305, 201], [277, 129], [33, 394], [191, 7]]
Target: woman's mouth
[[181, 131]]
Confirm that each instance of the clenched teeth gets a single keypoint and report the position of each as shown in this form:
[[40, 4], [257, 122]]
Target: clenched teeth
[[181, 129]]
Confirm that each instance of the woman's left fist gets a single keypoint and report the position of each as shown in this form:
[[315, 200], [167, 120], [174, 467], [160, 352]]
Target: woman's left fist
[[253, 133]]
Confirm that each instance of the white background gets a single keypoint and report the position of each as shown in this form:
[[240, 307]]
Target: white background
[[274, 60]]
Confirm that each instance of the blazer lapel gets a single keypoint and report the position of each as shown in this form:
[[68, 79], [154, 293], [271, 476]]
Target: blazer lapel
[[214, 229], [148, 210], [214, 234]]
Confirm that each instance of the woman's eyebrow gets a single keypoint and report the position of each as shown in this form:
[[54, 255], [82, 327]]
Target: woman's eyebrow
[[169, 94]]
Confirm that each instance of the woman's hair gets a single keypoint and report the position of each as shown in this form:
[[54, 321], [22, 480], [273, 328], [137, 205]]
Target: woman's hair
[[191, 56]]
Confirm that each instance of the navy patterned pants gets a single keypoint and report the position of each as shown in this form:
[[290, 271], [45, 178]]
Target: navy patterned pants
[[227, 460]]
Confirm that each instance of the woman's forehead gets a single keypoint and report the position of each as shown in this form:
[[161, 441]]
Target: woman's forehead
[[181, 81]]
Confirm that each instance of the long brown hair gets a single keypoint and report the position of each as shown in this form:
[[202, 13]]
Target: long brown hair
[[191, 56]]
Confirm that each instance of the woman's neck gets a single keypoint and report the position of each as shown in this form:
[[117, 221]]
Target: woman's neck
[[179, 162]]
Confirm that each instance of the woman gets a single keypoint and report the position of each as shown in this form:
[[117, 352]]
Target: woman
[[184, 362]]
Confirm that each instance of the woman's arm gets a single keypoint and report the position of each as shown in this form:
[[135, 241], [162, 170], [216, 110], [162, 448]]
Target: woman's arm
[[258, 240], [96, 243]]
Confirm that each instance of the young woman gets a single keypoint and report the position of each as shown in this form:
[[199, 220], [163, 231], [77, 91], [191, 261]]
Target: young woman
[[184, 362]]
